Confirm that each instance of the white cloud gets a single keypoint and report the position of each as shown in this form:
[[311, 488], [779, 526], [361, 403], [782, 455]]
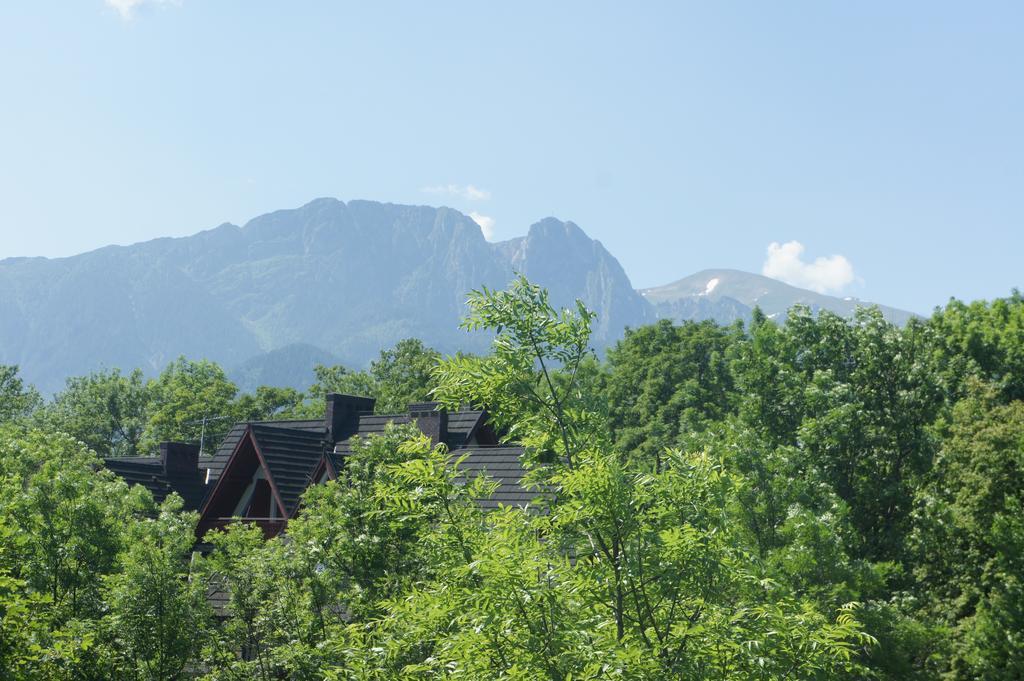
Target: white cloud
[[486, 224], [824, 275], [127, 8], [467, 192]]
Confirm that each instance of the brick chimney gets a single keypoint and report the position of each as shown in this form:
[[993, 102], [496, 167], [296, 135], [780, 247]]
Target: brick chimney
[[432, 419], [179, 457], [341, 415]]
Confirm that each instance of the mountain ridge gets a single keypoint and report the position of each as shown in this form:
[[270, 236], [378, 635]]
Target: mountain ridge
[[750, 290], [327, 279]]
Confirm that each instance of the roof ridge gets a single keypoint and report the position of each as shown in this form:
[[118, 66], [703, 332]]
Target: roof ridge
[[262, 425]]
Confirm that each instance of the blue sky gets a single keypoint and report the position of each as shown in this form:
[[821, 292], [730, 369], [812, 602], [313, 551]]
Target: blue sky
[[884, 138]]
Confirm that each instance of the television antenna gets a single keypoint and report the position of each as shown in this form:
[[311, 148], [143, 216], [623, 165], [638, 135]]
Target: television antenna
[[202, 432]]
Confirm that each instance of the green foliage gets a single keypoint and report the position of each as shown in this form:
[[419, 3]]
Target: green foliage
[[119, 414], [106, 410], [403, 375], [65, 523], [666, 382], [291, 600], [340, 379], [17, 400], [156, 610], [824, 498], [68, 516], [191, 400], [986, 339], [629, 573], [399, 376], [968, 536], [509, 601], [361, 547], [994, 645], [528, 382], [858, 400], [267, 403]]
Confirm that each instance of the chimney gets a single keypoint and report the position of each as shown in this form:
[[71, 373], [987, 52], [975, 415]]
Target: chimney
[[432, 419], [179, 457], [341, 415]]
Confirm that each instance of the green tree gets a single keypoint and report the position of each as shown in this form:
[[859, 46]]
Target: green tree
[[65, 523], [985, 339], [403, 374], [242, 566], [291, 600], [268, 403], [107, 410], [968, 540], [399, 376], [528, 382], [17, 400], [360, 550], [666, 381], [156, 610], [70, 514], [191, 400], [24, 621], [994, 646], [980, 467], [858, 399], [340, 379], [332, 379], [630, 573]]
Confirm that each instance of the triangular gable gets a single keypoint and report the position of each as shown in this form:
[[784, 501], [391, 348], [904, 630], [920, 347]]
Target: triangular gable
[[290, 457], [326, 470], [240, 476]]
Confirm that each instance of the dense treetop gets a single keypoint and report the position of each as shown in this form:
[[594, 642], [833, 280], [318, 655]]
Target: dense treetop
[[823, 498]]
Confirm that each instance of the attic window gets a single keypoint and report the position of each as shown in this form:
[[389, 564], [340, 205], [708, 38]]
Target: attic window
[[257, 501]]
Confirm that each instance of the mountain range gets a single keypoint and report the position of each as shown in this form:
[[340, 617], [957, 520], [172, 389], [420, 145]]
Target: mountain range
[[329, 282]]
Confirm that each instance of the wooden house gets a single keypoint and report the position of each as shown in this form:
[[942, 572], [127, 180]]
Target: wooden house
[[261, 469]]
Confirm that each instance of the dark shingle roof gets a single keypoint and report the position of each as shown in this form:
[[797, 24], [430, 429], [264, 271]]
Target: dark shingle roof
[[291, 456], [148, 471], [461, 425], [502, 465], [293, 449], [215, 464]]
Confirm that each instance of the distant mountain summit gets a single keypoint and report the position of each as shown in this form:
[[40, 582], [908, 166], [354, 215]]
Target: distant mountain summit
[[329, 279], [329, 282], [561, 257], [727, 295]]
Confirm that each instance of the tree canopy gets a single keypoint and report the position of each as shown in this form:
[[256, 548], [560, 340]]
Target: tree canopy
[[818, 498]]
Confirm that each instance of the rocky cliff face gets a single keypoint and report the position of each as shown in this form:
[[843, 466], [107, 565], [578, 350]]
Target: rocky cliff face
[[348, 278], [571, 265], [330, 280]]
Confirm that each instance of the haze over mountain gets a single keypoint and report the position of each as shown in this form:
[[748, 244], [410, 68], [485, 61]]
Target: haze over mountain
[[329, 281]]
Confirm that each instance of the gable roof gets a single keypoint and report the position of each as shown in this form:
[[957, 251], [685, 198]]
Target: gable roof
[[149, 472], [294, 454], [214, 465], [289, 455]]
